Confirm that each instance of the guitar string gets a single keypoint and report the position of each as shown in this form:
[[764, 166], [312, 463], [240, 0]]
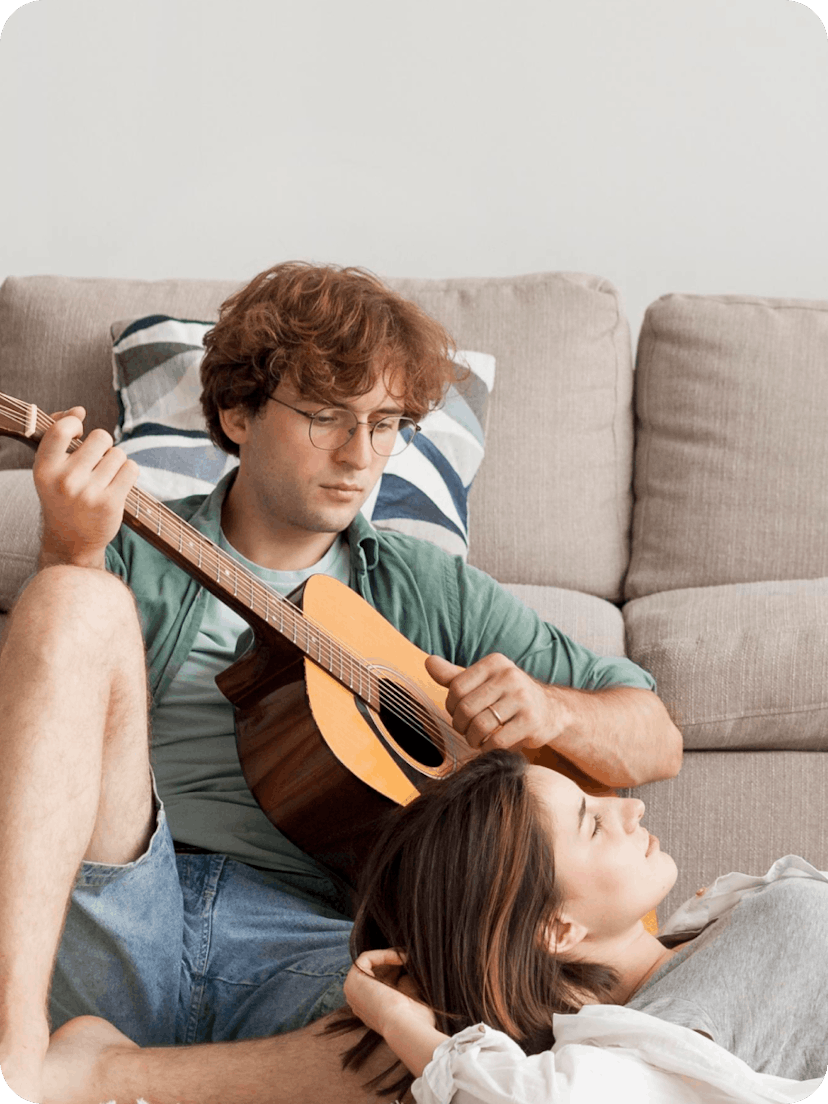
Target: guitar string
[[397, 701]]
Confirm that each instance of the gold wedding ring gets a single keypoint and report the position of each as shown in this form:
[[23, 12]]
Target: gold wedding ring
[[496, 716]]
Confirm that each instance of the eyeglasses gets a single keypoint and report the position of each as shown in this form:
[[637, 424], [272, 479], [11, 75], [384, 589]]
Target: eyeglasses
[[334, 426]]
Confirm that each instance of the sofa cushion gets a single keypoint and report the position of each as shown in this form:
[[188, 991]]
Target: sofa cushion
[[552, 503], [19, 532], [731, 467], [741, 666], [593, 622], [423, 491], [738, 810]]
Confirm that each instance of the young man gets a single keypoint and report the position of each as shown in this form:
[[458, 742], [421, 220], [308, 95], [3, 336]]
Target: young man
[[190, 918]]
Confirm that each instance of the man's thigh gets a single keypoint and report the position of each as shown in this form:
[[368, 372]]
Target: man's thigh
[[121, 951], [260, 957]]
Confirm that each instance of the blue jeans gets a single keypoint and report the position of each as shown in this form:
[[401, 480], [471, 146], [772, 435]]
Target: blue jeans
[[196, 948]]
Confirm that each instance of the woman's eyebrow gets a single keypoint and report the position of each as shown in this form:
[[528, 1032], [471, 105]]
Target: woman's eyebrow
[[581, 813]]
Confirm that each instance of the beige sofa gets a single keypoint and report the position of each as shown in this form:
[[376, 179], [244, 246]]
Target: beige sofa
[[707, 565]]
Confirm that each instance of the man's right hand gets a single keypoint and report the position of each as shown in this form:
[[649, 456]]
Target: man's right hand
[[82, 494]]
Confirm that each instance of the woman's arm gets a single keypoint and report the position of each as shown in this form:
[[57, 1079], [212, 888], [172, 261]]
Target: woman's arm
[[406, 1025]]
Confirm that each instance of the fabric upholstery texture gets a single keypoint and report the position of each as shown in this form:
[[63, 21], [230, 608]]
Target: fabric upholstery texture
[[559, 442], [741, 666], [737, 810], [591, 621], [156, 364], [19, 532], [731, 470]]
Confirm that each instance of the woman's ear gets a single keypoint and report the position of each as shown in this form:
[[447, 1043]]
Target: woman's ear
[[565, 935], [234, 423]]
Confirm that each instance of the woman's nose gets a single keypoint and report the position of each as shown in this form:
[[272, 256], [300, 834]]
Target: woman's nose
[[634, 812]]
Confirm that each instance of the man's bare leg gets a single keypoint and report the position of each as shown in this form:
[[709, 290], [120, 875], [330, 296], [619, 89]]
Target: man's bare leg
[[90, 1061], [74, 749]]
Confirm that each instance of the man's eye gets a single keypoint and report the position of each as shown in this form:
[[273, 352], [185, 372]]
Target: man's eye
[[598, 822], [387, 425]]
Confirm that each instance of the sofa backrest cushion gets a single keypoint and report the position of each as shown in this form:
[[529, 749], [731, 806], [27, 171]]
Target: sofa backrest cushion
[[731, 470], [552, 502], [740, 667]]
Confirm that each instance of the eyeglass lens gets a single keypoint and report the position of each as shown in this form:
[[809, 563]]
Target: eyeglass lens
[[333, 427]]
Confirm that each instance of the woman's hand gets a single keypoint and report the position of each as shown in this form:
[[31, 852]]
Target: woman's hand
[[406, 1024], [374, 990]]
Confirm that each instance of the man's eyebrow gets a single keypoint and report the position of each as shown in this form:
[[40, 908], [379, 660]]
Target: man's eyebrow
[[581, 814]]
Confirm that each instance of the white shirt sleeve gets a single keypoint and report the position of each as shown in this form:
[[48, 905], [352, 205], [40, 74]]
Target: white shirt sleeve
[[630, 1058]]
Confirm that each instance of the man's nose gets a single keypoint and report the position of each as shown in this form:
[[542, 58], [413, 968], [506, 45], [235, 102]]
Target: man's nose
[[358, 450]]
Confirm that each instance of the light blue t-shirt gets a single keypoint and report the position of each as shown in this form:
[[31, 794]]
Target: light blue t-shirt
[[194, 754]]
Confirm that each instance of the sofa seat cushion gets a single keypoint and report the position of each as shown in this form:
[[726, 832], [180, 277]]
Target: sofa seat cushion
[[593, 622], [741, 666], [731, 470]]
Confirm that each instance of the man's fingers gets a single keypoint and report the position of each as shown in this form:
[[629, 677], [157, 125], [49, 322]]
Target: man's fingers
[[441, 670]]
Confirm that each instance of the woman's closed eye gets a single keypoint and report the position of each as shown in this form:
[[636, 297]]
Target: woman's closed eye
[[598, 822]]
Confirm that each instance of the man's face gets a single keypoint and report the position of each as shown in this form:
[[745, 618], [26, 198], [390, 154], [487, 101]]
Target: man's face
[[295, 487]]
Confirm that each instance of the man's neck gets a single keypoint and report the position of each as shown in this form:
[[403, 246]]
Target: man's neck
[[285, 549]]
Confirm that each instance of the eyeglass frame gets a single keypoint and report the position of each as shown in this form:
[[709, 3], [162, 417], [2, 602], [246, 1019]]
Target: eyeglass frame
[[371, 427]]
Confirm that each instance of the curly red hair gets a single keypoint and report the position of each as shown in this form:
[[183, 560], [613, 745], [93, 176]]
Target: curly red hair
[[329, 332]]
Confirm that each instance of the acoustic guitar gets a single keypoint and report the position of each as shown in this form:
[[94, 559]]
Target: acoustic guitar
[[337, 718]]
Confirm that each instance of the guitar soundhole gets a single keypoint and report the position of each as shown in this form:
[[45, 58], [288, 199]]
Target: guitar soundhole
[[401, 714]]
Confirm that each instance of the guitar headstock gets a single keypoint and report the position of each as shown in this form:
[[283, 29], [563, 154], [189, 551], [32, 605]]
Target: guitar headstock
[[20, 420]]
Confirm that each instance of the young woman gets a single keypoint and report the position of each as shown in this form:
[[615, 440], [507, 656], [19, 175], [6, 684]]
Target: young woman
[[508, 896]]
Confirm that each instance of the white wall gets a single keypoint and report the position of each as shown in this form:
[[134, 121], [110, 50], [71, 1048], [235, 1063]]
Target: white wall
[[668, 145]]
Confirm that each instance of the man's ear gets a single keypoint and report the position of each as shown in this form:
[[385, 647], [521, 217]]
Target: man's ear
[[234, 423], [565, 935]]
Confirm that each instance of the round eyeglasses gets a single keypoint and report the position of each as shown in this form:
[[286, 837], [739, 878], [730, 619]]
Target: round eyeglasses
[[333, 427]]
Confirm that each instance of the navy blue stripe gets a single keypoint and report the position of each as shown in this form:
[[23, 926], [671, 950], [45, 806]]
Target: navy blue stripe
[[155, 429], [453, 482], [400, 499], [153, 320]]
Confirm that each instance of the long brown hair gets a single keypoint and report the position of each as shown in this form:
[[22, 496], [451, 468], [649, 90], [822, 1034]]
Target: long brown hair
[[328, 331], [463, 882]]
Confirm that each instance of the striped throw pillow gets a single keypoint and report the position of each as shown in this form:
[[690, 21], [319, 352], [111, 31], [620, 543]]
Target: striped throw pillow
[[423, 491]]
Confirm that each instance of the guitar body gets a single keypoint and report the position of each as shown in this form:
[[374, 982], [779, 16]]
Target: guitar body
[[322, 763]]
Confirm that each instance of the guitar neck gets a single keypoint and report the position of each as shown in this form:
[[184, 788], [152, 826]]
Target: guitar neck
[[231, 582]]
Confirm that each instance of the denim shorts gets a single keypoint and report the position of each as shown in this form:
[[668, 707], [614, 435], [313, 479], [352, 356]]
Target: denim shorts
[[196, 948]]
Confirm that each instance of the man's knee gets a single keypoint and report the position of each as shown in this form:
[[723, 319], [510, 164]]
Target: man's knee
[[78, 603]]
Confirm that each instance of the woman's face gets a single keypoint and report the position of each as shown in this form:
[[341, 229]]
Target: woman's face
[[611, 871]]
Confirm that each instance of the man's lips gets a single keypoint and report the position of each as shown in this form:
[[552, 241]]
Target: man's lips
[[342, 488], [652, 845]]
